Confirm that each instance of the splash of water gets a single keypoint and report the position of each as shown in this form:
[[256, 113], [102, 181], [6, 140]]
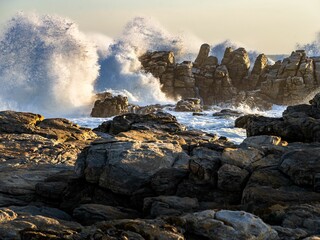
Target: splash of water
[[219, 49], [46, 66], [312, 49], [121, 69]]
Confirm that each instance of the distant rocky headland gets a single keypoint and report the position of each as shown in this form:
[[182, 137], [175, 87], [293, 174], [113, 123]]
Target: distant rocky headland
[[235, 80]]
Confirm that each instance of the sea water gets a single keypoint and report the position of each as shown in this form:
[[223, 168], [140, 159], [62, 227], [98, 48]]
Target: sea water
[[48, 66], [222, 126]]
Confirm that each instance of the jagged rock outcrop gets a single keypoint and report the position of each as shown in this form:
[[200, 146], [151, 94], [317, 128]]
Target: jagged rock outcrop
[[258, 73], [238, 64], [108, 105], [203, 55], [291, 81], [284, 83]]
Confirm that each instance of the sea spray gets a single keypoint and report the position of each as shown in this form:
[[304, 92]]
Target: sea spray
[[121, 69], [312, 49], [46, 66]]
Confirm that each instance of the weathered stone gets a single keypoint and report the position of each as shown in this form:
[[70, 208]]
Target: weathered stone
[[88, 214], [189, 105], [232, 178], [243, 158], [268, 186], [238, 64], [165, 181], [140, 229], [305, 216], [301, 166], [124, 167], [110, 106], [225, 224], [227, 113], [289, 233], [169, 205], [299, 123], [28, 226], [203, 54], [131, 121]]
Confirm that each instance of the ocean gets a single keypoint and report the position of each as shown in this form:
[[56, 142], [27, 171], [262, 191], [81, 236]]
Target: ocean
[[48, 66]]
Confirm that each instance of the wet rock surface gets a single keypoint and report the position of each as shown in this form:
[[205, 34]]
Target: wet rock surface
[[149, 177]]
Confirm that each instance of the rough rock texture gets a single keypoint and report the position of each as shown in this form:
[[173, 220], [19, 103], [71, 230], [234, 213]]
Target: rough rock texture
[[189, 105], [299, 123], [227, 225], [232, 178], [288, 82], [108, 106], [88, 214], [301, 166], [203, 54], [154, 121], [147, 177], [124, 167], [169, 205], [238, 64]]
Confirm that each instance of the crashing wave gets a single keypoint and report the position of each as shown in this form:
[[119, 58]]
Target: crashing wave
[[120, 70], [312, 49], [46, 65]]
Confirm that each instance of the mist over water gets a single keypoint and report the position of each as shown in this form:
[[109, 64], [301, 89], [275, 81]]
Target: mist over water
[[46, 65]]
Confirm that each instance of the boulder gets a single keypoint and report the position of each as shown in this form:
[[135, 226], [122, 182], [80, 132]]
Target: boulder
[[110, 106], [301, 166], [88, 214], [269, 186], [232, 178], [139, 229], [241, 157], [58, 129], [203, 54], [226, 224], [166, 180], [124, 167], [189, 105], [204, 165], [169, 205], [155, 121], [299, 123], [304, 216], [227, 113], [238, 64], [21, 224]]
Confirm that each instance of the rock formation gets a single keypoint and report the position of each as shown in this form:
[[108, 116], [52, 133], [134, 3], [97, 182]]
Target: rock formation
[[147, 177], [107, 105], [189, 105], [298, 123], [284, 83]]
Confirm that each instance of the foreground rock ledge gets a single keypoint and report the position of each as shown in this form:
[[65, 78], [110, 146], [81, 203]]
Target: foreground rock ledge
[[149, 177]]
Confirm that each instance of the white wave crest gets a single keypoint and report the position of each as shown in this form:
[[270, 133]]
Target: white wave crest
[[121, 69], [46, 65]]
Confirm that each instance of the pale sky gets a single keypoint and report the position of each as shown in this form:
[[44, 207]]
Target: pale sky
[[269, 26]]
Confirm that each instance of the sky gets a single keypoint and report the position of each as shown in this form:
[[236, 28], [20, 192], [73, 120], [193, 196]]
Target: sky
[[269, 26]]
